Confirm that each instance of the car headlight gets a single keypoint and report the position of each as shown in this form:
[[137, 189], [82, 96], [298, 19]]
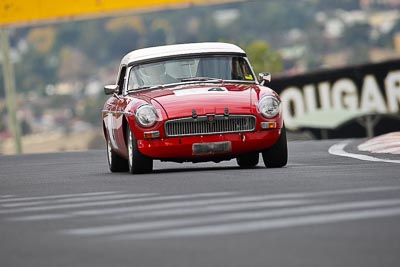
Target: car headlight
[[146, 116], [269, 106]]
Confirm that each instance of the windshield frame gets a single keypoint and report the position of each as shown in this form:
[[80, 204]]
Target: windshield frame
[[186, 57]]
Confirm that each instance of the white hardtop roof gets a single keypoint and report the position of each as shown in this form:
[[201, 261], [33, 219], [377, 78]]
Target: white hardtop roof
[[179, 49]]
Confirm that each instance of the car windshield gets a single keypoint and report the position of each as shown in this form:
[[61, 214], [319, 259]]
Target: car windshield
[[205, 68]]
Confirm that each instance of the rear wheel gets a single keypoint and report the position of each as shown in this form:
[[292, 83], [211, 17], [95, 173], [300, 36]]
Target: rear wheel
[[277, 155], [248, 160], [115, 162], [137, 162]]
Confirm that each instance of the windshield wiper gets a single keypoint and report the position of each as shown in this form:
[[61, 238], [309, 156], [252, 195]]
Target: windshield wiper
[[144, 88], [199, 79]]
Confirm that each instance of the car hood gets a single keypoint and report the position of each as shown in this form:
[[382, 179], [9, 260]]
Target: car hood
[[211, 99]]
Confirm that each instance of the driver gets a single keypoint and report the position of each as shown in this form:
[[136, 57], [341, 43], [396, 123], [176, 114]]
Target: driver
[[155, 74]]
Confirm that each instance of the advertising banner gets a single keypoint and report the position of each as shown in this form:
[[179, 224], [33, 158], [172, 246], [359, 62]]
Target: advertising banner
[[327, 99]]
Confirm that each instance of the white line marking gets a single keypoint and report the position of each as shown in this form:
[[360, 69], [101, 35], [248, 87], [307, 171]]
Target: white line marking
[[40, 217], [112, 202], [57, 196], [163, 206], [239, 216], [191, 204], [202, 209], [77, 199], [6, 196], [195, 209], [264, 225], [338, 150]]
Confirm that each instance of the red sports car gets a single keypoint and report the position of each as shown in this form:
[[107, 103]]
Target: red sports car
[[191, 103]]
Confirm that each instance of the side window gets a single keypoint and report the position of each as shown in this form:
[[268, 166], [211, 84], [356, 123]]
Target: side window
[[245, 70], [134, 82], [121, 79], [237, 71]]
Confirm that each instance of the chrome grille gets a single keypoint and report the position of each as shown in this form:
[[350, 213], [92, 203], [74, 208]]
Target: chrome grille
[[210, 125]]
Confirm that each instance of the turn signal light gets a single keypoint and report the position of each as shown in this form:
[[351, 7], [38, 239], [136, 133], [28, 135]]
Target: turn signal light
[[151, 135], [268, 125]]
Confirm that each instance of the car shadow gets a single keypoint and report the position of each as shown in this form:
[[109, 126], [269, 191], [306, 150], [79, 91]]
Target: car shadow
[[202, 169]]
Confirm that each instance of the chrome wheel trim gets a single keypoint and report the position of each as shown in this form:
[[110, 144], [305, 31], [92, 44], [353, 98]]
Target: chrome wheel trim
[[109, 152], [130, 149]]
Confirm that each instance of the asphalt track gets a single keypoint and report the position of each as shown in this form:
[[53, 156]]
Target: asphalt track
[[331, 206]]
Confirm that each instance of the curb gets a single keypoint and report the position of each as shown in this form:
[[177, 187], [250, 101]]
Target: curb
[[387, 143]]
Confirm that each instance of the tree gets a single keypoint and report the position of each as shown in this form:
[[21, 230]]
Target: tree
[[125, 35], [263, 58], [74, 65], [42, 39], [357, 38]]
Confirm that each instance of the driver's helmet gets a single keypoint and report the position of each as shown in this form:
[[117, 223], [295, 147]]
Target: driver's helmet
[[151, 73]]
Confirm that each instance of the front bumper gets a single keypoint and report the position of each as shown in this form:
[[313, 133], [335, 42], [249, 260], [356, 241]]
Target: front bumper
[[182, 147]]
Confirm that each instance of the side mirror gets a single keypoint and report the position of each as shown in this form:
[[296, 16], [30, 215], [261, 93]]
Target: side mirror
[[111, 89], [264, 77]]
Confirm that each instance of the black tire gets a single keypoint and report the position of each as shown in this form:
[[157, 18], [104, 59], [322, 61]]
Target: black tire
[[248, 160], [277, 155], [115, 162], [137, 162]]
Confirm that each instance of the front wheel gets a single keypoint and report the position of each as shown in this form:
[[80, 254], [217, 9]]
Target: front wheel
[[248, 160], [137, 162], [277, 155], [115, 162]]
